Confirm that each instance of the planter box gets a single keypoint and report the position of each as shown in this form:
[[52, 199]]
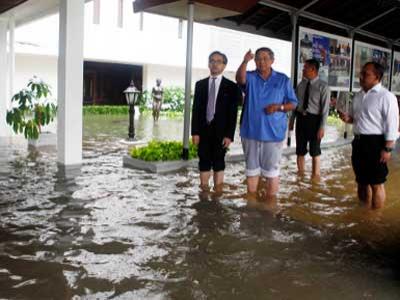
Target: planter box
[[45, 139], [157, 166], [169, 166]]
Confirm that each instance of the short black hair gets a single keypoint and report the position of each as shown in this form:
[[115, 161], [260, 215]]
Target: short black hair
[[313, 62], [378, 68], [265, 49], [224, 58]]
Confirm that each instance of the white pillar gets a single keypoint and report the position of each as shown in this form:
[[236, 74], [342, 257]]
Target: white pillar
[[70, 82], [3, 77], [294, 70], [145, 80], [188, 81], [11, 58]]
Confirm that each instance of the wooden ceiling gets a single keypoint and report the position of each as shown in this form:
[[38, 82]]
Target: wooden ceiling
[[8, 4]]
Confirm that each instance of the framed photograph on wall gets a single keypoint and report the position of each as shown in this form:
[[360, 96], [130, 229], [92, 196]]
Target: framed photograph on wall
[[332, 51], [396, 74], [363, 53]]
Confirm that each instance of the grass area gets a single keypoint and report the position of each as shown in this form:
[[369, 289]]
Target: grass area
[[162, 151], [106, 110], [334, 120], [163, 113], [124, 110]]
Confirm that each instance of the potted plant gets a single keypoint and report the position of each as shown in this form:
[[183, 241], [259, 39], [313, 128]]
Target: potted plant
[[159, 156], [31, 109]]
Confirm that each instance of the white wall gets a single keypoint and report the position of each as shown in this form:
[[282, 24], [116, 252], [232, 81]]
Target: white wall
[[157, 44], [174, 76], [45, 67]]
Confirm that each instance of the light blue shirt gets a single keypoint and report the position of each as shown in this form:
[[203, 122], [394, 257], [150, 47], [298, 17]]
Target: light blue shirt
[[256, 124]]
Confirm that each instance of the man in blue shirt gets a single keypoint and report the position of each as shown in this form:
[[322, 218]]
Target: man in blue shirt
[[269, 95]]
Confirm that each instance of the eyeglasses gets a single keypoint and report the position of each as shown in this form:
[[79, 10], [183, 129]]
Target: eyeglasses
[[216, 62]]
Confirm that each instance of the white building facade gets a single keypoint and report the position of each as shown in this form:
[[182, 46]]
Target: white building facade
[[68, 36], [114, 34]]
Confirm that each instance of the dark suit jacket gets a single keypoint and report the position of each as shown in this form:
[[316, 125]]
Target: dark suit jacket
[[226, 108]]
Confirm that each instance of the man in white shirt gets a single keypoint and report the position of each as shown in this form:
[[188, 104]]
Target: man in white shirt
[[375, 119]]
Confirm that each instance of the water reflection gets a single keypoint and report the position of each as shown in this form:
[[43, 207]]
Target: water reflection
[[103, 231]]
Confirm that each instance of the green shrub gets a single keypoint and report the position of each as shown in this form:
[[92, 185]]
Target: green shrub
[[334, 120], [175, 97], [31, 109], [106, 110], [143, 99], [162, 151]]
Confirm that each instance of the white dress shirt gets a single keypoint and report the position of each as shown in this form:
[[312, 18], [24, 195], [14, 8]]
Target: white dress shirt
[[376, 112], [218, 80]]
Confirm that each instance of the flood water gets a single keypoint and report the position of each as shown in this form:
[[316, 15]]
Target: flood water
[[106, 232]]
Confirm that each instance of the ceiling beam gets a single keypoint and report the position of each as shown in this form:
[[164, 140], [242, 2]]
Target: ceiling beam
[[375, 18], [250, 14], [318, 18], [269, 21], [305, 7]]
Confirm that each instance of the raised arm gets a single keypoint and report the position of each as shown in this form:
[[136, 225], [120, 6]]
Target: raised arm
[[241, 72]]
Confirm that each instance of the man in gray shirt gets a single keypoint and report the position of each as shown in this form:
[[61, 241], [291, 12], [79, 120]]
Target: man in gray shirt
[[311, 115]]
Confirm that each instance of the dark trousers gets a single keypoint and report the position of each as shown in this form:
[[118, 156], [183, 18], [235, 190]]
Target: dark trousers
[[307, 127], [365, 158], [211, 151]]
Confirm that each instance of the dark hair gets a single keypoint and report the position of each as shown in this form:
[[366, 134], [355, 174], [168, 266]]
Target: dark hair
[[265, 49], [224, 58], [378, 68], [313, 62]]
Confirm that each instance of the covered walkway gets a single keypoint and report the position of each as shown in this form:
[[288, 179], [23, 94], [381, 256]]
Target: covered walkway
[[376, 22]]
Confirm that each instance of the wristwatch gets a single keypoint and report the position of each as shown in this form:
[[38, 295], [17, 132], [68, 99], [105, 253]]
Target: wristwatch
[[387, 149], [282, 108]]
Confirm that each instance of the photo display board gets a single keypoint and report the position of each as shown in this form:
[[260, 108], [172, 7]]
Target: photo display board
[[363, 53], [332, 51], [396, 74]]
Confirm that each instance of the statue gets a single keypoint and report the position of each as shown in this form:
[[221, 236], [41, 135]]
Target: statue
[[157, 95]]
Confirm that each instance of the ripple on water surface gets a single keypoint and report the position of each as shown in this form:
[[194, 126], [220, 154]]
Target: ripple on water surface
[[103, 232]]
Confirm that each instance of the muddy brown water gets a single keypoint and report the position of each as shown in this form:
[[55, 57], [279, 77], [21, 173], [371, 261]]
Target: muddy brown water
[[106, 232]]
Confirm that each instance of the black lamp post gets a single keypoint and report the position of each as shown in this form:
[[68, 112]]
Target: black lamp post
[[131, 94]]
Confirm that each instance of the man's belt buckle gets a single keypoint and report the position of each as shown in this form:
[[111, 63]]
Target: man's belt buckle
[[304, 113]]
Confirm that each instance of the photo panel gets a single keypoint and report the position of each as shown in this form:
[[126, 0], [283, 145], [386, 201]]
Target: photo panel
[[364, 53], [332, 51], [396, 74]]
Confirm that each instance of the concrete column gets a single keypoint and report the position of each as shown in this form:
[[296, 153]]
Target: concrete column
[[3, 77], [145, 81], [11, 57], [188, 80], [295, 33], [70, 82], [347, 126]]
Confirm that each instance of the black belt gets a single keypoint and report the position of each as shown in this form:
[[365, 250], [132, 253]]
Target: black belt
[[306, 113], [364, 136]]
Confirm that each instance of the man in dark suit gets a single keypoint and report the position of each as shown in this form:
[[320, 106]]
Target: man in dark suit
[[214, 118]]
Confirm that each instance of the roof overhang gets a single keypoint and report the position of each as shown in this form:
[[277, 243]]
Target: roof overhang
[[26, 11], [205, 10]]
